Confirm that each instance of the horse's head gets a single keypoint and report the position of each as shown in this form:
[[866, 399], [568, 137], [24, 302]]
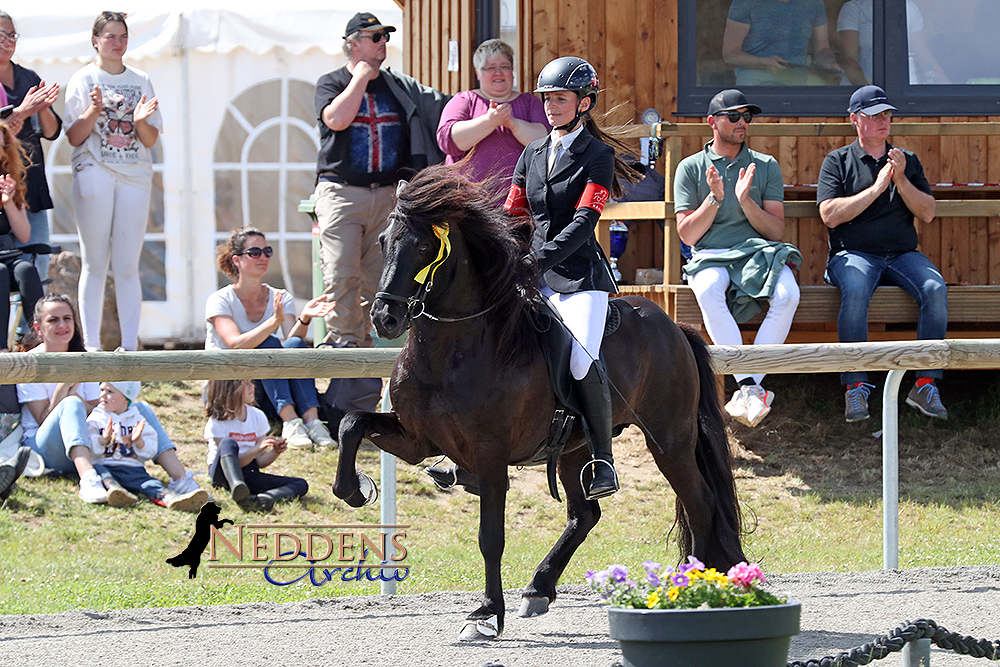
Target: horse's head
[[452, 255], [410, 260]]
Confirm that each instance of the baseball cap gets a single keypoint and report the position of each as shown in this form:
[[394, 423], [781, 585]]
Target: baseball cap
[[730, 99], [870, 100], [129, 389], [365, 21]]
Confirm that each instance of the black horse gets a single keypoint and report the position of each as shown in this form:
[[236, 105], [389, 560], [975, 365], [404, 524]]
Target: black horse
[[471, 383]]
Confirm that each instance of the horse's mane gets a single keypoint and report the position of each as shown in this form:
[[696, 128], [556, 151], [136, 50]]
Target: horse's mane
[[498, 245]]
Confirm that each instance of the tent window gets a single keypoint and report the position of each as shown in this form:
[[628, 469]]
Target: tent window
[[264, 164]]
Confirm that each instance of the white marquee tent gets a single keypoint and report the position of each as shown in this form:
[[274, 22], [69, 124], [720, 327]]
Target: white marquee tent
[[236, 88]]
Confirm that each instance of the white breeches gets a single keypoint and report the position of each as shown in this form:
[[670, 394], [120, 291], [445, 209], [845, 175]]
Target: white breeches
[[584, 314], [710, 286]]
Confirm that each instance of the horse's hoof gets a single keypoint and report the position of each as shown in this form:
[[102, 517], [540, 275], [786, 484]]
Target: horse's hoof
[[479, 629], [533, 606], [368, 489]]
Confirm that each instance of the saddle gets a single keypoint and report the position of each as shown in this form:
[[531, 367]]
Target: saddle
[[557, 344]]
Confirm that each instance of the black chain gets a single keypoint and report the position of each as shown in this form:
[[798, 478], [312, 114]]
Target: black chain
[[897, 639]]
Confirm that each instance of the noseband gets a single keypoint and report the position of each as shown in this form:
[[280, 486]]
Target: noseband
[[415, 306]]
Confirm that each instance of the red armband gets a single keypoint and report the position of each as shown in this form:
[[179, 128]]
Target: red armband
[[594, 196], [517, 201]]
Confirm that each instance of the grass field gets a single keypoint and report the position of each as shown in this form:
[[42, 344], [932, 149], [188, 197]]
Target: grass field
[[809, 483]]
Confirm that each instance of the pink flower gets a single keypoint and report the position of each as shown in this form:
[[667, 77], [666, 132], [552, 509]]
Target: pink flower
[[745, 574]]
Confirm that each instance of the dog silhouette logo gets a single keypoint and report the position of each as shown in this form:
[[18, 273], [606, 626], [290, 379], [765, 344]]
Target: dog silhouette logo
[[191, 556]]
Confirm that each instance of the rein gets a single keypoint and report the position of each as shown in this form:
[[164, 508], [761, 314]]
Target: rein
[[415, 306]]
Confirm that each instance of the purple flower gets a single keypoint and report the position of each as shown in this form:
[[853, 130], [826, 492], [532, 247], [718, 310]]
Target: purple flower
[[680, 579], [651, 566], [618, 572], [653, 579]]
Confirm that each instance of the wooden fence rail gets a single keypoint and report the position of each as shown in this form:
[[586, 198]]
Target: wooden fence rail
[[378, 362]]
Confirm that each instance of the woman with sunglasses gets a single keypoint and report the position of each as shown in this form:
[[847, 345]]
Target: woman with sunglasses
[[32, 119], [493, 123], [250, 314], [113, 121]]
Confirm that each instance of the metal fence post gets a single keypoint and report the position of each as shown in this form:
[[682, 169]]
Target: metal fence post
[[388, 506], [917, 653], [890, 470]]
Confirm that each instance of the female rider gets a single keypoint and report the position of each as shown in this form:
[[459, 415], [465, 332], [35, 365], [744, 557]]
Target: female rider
[[563, 181]]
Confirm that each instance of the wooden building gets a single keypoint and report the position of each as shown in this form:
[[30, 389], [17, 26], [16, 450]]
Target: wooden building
[[644, 51]]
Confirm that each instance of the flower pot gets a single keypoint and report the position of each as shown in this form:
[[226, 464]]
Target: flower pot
[[727, 637]]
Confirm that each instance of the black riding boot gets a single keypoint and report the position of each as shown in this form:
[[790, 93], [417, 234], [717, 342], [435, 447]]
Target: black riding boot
[[11, 470], [234, 475], [595, 400], [446, 478], [266, 500]]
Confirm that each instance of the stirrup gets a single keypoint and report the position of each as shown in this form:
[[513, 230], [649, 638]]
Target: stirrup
[[443, 478], [588, 494]]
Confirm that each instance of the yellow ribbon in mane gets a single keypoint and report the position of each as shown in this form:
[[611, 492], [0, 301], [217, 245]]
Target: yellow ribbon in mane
[[442, 233]]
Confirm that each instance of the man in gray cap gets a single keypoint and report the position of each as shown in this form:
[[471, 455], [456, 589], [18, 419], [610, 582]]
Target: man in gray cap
[[376, 127], [729, 203], [869, 195]]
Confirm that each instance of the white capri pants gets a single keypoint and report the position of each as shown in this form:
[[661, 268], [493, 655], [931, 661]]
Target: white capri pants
[[111, 218], [583, 314], [710, 286]]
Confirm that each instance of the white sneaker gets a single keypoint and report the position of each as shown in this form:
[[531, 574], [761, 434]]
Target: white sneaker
[[295, 434], [320, 434], [737, 407], [92, 489], [185, 484], [758, 403], [186, 502]]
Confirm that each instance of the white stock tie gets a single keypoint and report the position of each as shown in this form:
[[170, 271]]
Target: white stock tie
[[554, 157]]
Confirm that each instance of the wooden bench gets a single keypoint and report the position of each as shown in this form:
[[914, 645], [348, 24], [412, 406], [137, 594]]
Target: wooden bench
[[973, 222], [973, 312]]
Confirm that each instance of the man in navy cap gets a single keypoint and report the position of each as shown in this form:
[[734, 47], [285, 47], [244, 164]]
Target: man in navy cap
[[376, 127], [870, 193], [729, 203]]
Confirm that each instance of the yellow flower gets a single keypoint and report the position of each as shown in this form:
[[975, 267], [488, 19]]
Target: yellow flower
[[673, 593], [653, 599]]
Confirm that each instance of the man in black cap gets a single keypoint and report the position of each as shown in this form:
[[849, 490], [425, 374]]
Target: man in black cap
[[376, 127], [869, 195], [729, 203]]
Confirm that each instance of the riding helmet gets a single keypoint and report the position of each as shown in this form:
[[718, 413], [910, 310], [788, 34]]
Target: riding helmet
[[569, 73]]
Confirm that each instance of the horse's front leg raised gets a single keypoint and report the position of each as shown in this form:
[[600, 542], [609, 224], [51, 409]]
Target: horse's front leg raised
[[581, 516], [487, 621], [384, 430]]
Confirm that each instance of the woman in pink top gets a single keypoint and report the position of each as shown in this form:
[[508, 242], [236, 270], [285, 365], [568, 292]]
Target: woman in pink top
[[493, 122]]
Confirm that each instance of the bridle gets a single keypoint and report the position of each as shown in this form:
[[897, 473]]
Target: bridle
[[415, 305]]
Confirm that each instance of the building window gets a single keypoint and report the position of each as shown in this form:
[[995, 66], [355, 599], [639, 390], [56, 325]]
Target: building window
[[804, 57], [264, 164]]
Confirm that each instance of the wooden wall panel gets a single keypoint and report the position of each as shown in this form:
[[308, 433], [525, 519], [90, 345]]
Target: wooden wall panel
[[633, 45]]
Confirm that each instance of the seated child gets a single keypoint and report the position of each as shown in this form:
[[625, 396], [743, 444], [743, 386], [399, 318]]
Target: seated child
[[120, 445], [239, 446]]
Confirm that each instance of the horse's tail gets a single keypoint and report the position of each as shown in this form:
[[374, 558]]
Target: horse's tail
[[715, 462]]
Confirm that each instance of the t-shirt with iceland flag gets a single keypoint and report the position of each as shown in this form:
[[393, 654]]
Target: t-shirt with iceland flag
[[244, 432]]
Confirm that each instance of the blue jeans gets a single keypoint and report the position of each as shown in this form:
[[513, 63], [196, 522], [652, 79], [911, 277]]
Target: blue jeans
[[132, 478], [39, 221], [65, 427], [299, 392], [857, 274]]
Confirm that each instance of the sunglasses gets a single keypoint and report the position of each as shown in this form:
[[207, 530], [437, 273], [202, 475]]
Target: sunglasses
[[377, 37], [255, 253], [734, 116]]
